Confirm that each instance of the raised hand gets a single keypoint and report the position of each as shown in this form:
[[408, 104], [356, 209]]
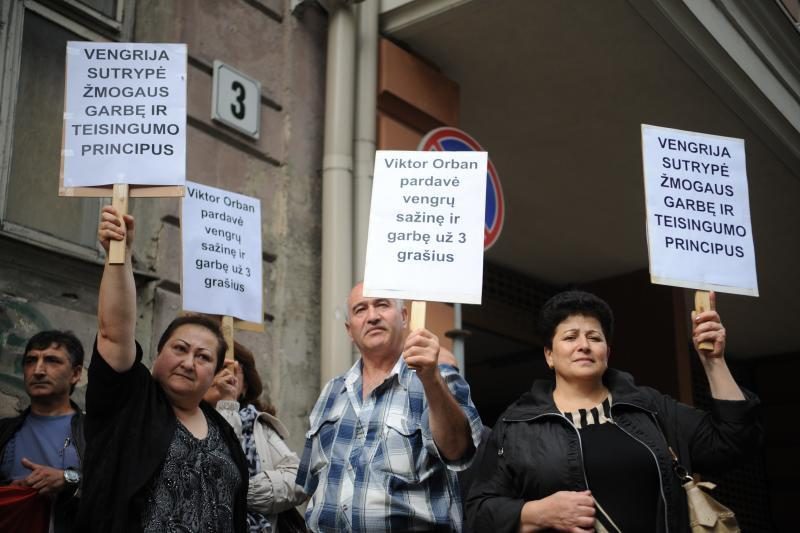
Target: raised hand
[[421, 352], [112, 228], [707, 327]]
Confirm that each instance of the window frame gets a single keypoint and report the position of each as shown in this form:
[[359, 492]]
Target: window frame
[[95, 29], [119, 27]]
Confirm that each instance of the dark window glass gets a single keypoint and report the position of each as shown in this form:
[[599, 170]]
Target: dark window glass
[[33, 199]]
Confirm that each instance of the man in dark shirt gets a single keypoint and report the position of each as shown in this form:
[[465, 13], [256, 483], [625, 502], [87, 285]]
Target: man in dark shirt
[[41, 449]]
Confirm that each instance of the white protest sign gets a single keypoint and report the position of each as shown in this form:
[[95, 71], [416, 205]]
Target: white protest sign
[[426, 223], [698, 211], [221, 233], [125, 114]]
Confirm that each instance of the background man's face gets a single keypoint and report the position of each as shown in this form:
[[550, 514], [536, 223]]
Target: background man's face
[[376, 324], [49, 373]]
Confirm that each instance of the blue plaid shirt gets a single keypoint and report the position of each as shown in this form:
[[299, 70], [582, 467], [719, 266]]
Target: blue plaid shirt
[[372, 465]]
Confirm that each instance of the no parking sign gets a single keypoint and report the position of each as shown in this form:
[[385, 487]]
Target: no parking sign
[[447, 139]]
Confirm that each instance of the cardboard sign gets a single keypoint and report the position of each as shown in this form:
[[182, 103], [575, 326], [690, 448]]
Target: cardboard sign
[[426, 226], [698, 211], [124, 114], [221, 233]]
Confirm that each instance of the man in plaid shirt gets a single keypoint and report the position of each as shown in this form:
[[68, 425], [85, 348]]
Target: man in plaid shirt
[[388, 436]]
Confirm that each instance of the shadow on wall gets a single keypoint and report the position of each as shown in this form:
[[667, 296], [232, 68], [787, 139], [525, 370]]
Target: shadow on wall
[[19, 321]]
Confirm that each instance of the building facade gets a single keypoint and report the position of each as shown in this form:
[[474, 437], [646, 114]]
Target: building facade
[[50, 262]]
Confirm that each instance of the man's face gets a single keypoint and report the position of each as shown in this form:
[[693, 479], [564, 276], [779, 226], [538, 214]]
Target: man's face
[[49, 373], [376, 324]]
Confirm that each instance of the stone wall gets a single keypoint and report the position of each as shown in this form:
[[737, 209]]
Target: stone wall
[[41, 288]]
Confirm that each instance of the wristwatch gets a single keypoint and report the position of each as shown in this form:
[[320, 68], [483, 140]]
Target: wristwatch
[[72, 476]]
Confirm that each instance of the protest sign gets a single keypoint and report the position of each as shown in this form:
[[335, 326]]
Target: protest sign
[[698, 211], [426, 224], [124, 116], [221, 233]]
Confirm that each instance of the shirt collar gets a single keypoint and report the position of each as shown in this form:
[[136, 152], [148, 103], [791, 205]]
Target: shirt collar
[[400, 369]]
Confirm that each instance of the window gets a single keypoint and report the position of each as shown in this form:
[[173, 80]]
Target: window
[[32, 94], [32, 193]]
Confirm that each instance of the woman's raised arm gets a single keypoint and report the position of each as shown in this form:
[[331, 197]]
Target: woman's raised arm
[[116, 307]]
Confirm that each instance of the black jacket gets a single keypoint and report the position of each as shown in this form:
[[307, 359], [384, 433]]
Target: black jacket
[[535, 451], [129, 427], [66, 504]]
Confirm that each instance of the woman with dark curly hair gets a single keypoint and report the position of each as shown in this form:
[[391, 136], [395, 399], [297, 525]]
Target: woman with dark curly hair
[[590, 444], [158, 458], [236, 393]]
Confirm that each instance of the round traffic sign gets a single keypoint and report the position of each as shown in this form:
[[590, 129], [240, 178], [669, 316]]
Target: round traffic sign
[[447, 139]]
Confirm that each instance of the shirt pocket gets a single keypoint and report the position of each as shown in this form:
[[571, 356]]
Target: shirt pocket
[[402, 447], [323, 435]]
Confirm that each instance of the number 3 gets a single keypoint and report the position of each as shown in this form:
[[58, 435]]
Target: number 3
[[238, 111]]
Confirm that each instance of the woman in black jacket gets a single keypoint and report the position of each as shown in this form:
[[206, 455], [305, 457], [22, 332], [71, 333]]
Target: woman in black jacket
[[158, 458], [591, 438]]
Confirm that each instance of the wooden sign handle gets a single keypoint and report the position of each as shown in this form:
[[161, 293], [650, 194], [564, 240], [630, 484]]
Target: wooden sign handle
[[702, 302], [417, 320], [227, 333], [119, 200]]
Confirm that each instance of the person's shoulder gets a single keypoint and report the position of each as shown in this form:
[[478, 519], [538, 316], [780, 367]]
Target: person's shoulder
[[15, 417], [624, 388], [211, 412], [327, 397], [525, 406], [77, 411], [9, 421], [10, 425], [99, 366], [334, 385], [272, 424]]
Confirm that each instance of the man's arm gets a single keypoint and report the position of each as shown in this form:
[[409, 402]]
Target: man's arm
[[116, 308], [449, 425]]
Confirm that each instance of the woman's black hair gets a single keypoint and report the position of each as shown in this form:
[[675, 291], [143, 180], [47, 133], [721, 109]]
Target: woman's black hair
[[570, 303], [203, 322]]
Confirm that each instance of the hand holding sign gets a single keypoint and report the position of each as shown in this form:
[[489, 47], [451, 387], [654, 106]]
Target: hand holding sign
[[421, 353], [708, 333], [114, 228], [119, 199], [229, 381]]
